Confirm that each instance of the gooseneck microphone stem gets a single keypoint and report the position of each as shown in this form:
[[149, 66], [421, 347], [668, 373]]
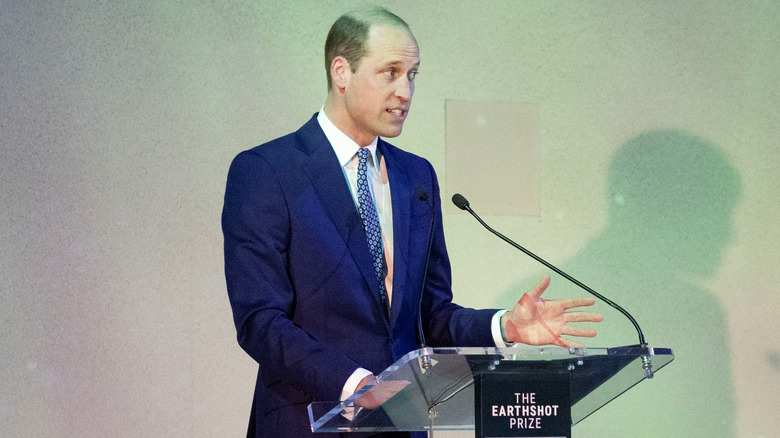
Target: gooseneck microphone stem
[[422, 195], [463, 204], [420, 332]]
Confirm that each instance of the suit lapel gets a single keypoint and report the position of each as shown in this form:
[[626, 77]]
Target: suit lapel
[[327, 178], [401, 199]]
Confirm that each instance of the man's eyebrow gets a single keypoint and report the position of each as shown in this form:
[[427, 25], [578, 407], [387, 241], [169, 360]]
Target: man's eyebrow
[[397, 63], [392, 63]]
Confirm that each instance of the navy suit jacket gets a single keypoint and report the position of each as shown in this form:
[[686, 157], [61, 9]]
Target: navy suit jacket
[[302, 285]]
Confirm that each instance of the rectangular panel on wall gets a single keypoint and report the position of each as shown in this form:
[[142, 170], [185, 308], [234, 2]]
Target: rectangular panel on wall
[[492, 158]]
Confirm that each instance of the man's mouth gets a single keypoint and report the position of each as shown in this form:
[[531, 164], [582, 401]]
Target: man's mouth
[[398, 112]]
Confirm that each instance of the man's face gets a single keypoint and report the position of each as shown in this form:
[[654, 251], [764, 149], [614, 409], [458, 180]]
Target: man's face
[[377, 96]]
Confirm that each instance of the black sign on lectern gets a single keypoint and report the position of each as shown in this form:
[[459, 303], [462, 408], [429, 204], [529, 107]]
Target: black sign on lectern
[[525, 404]]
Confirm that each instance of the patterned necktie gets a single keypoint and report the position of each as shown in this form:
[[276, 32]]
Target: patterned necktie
[[368, 214]]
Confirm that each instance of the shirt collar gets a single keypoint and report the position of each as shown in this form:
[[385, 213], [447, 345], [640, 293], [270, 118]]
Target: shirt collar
[[345, 147]]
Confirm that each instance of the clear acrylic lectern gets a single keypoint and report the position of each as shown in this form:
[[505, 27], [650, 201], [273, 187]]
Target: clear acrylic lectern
[[433, 388]]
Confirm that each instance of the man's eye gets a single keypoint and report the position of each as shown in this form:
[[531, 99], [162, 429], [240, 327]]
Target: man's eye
[[390, 73], [412, 75]]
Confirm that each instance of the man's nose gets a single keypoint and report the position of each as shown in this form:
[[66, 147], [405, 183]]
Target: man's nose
[[405, 89]]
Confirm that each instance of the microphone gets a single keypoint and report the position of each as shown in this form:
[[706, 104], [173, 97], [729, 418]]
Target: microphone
[[462, 203], [422, 195]]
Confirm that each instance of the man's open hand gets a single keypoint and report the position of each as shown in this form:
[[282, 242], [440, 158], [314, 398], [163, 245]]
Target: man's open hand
[[537, 321]]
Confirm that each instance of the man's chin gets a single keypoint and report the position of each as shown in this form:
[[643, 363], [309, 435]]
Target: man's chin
[[391, 133]]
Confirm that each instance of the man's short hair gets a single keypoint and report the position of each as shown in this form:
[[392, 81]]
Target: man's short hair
[[348, 35]]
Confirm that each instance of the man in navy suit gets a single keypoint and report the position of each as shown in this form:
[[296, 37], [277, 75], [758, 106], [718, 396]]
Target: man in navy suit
[[308, 304]]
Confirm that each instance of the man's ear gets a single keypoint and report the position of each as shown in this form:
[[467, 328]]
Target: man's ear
[[340, 72]]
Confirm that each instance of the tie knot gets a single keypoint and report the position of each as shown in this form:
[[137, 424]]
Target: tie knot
[[363, 154]]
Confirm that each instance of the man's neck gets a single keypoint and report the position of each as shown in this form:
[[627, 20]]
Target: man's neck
[[337, 113]]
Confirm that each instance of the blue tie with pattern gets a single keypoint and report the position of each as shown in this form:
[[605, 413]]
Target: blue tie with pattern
[[368, 214]]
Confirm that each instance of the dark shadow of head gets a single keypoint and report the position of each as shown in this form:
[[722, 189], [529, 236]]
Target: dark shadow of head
[[671, 196]]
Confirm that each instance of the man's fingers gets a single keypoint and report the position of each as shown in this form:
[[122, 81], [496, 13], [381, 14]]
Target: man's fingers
[[571, 303], [579, 331], [583, 317], [537, 291], [380, 393], [563, 342]]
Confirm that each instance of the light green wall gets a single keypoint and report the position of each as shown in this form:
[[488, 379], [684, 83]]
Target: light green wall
[[118, 121]]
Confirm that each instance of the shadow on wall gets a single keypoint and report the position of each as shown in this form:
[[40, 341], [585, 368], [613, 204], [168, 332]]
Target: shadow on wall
[[671, 198]]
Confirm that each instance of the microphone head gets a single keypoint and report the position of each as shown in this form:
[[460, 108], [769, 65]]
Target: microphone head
[[459, 201]]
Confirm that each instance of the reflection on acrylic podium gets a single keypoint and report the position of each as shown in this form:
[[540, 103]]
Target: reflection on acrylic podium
[[498, 392]]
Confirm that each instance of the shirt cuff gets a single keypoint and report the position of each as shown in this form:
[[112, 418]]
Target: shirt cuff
[[495, 327], [351, 384]]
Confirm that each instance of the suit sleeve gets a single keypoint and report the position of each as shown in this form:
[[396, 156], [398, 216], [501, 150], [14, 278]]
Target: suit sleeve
[[256, 227]]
